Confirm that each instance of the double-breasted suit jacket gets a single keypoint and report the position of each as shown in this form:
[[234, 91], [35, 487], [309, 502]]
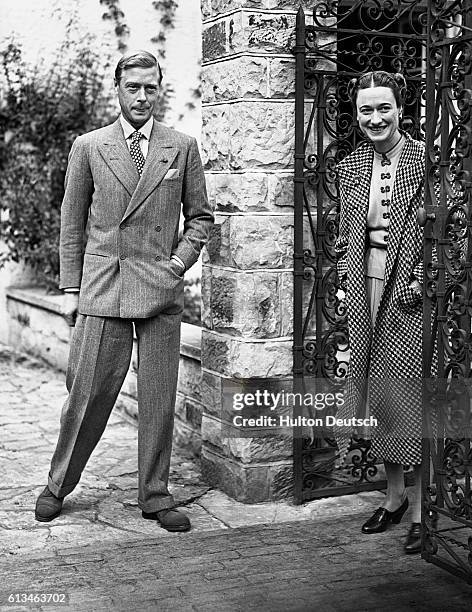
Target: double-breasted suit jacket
[[388, 353], [119, 230]]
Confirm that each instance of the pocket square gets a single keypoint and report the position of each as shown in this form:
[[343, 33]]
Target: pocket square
[[173, 173]]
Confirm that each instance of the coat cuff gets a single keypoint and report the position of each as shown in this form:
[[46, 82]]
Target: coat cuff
[[71, 280], [186, 253], [178, 260]]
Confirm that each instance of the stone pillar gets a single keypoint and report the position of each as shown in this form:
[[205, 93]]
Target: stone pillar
[[248, 147]]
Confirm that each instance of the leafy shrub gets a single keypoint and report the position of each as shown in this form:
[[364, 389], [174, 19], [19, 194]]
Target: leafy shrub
[[41, 113], [192, 301]]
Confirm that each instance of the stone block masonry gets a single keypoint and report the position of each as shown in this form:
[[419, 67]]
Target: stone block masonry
[[248, 146]]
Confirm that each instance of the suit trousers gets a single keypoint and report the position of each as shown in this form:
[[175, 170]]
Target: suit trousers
[[98, 363]]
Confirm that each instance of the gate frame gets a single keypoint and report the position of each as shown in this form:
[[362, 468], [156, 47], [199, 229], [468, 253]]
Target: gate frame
[[365, 463], [434, 215], [438, 300]]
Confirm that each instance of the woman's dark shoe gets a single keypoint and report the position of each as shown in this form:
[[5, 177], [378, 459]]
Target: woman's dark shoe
[[381, 518], [413, 539]]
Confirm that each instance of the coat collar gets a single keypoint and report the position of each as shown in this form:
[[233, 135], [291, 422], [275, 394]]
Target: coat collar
[[356, 163]]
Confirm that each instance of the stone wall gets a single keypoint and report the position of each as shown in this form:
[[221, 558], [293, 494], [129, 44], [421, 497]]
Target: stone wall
[[11, 273], [248, 147], [35, 325]]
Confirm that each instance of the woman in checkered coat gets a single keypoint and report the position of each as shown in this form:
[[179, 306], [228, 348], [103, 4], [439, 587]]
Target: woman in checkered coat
[[380, 266]]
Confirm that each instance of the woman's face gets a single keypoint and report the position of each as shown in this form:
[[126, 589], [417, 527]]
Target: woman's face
[[378, 116]]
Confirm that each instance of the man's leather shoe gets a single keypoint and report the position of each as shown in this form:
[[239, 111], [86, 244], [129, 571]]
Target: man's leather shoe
[[381, 518], [170, 519], [413, 539], [48, 506]]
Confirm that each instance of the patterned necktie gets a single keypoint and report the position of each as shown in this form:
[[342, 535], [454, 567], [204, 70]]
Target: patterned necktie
[[136, 152]]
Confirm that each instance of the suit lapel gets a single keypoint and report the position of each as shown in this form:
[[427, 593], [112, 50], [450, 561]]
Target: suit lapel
[[115, 152], [408, 180], [161, 153]]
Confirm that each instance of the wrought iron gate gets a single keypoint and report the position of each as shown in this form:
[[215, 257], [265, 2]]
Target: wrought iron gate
[[337, 41], [431, 44], [447, 451]]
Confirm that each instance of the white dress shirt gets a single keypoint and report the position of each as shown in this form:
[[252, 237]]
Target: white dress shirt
[[145, 130]]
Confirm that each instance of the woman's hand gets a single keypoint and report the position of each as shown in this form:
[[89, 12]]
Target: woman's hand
[[410, 296]]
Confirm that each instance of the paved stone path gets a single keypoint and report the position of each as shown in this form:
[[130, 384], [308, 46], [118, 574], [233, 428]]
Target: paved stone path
[[305, 566], [237, 557], [104, 505]]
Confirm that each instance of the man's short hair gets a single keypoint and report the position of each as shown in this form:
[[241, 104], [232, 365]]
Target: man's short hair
[[137, 59]]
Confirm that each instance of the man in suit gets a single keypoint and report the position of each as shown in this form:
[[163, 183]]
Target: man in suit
[[122, 263]]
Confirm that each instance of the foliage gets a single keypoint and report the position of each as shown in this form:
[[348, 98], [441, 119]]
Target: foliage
[[41, 113], [192, 300], [167, 9], [115, 14]]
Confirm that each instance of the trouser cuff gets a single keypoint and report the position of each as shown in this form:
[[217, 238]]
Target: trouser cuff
[[162, 503], [60, 491]]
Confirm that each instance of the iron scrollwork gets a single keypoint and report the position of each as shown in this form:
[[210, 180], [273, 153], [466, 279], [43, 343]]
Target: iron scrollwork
[[448, 277], [431, 44], [336, 42]]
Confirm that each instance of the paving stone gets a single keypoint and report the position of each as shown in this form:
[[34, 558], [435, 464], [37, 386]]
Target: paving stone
[[286, 588]]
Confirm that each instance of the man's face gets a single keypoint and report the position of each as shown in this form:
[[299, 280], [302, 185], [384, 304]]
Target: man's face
[[138, 94]]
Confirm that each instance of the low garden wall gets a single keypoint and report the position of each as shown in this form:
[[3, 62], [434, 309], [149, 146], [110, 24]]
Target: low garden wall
[[36, 327]]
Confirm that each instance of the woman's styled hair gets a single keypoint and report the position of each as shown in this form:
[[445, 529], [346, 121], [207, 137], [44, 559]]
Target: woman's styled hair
[[378, 78], [137, 59]]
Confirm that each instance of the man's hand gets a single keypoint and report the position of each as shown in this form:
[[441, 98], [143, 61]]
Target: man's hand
[[69, 307]]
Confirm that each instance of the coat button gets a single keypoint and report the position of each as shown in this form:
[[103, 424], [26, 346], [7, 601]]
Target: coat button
[[122, 256], [164, 161], [157, 258], [158, 228]]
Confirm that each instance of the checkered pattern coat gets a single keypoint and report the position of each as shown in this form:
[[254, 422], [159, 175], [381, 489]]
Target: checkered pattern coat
[[389, 354]]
